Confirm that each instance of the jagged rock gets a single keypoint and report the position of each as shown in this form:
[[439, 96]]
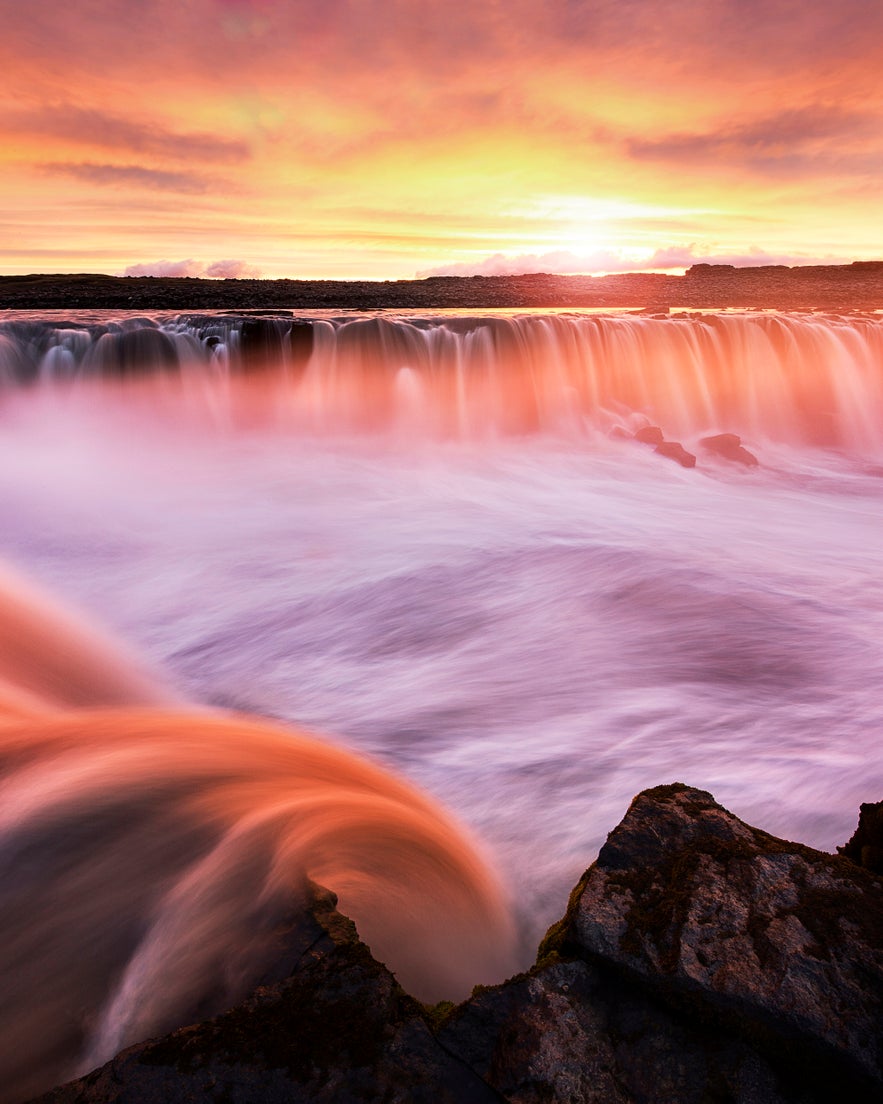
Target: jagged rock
[[576, 1033], [699, 960], [866, 845], [649, 435], [338, 1030], [778, 940], [674, 450], [729, 447]]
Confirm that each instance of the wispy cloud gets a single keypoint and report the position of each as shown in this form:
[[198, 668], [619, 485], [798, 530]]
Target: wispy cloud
[[131, 175], [787, 137], [103, 130]]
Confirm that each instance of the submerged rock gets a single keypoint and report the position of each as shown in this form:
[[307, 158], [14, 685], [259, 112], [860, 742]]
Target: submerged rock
[[674, 450], [700, 959], [649, 435], [729, 447]]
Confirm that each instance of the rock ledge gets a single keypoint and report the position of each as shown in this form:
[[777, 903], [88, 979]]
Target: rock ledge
[[699, 959]]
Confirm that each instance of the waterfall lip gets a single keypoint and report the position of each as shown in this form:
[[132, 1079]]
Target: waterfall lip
[[790, 378]]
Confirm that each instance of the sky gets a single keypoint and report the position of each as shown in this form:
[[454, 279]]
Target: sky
[[383, 139]]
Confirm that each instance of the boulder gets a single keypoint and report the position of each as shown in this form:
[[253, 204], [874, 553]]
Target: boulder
[[674, 450], [776, 940], [729, 447], [649, 435]]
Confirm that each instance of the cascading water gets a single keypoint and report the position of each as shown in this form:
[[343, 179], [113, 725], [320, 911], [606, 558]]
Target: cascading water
[[797, 379], [425, 536], [151, 860]]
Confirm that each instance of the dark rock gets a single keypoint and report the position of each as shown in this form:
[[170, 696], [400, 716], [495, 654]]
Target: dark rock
[[339, 1029], [783, 943], [650, 435], [834, 287], [674, 450], [721, 442], [743, 456], [577, 1032], [700, 960], [729, 446], [866, 845]]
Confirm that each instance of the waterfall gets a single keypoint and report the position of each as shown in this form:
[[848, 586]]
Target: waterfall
[[796, 379]]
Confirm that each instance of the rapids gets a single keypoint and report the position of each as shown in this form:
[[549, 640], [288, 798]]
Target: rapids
[[416, 537]]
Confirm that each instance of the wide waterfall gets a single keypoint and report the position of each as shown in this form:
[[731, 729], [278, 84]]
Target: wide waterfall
[[434, 542], [793, 379]]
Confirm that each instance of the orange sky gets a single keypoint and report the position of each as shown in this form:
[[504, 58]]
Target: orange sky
[[384, 138]]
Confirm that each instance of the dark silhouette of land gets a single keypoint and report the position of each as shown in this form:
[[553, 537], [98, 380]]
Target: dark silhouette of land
[[856, 286]]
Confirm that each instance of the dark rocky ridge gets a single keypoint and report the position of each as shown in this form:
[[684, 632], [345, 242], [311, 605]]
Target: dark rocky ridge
[[857, 286], [699, 960]]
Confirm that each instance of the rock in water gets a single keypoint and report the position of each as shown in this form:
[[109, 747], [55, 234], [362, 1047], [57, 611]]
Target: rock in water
[[729, 447], [674, 450], [649, 435]]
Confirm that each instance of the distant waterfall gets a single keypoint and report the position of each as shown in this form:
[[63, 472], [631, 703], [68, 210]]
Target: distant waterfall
[[800, 379]]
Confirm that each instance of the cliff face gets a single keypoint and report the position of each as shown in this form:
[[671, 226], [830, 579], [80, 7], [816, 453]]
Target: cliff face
[[699, 960]]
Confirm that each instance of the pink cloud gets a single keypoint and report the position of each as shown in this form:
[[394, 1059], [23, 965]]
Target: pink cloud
[[131, 175], [216, 270], [232, 270], [565, 262]]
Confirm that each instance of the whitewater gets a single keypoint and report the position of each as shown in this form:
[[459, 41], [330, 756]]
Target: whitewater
[[429, 540]]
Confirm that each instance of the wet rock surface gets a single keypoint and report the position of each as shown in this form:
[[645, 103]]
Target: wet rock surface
[[699, 959], [729, 447], [674, 450], [649, 435]]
